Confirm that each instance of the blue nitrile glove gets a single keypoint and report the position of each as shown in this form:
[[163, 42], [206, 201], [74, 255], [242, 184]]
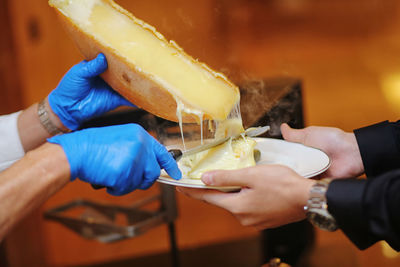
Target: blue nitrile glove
[[122, 158], [81, 94]]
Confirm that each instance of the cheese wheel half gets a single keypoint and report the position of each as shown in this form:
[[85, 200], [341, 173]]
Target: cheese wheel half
[[144, 67]]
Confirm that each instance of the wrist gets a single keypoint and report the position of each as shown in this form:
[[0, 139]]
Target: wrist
[[69, 145], [317, 207], [31, 130], [356, 155], [304, 195], [55, 120], [51, 159]]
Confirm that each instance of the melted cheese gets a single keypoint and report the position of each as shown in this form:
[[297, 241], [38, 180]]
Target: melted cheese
[[229, 127], [201, 89], [231, 155]]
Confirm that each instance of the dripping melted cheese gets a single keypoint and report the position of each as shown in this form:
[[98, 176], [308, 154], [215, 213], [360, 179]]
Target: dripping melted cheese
[[236, 153]]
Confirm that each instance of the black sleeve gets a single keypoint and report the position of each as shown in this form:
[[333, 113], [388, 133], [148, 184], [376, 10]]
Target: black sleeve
[[367, 211], [379, 146]]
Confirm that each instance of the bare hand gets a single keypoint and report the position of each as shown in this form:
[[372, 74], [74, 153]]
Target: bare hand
[[340, 146], [271, 195]]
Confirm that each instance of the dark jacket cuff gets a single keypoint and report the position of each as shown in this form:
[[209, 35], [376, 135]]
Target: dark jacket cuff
[[378, 147], [344, 199]]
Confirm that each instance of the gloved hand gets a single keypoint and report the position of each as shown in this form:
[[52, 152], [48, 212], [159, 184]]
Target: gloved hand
[[81, 94], [122, 158]]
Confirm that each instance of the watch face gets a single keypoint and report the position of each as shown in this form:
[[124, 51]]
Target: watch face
[[322, 221]]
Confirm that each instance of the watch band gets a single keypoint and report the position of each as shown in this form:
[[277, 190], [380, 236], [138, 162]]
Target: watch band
[[45, 119], [317, 199], [317, 207]]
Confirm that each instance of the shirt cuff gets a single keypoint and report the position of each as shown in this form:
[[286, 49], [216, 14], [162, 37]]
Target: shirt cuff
[[378, 148], [11, 148], [344, 199]]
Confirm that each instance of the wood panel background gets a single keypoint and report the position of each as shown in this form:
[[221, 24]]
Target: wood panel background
[[10, 93]]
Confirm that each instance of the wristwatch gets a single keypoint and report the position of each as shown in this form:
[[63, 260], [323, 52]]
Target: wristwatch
[[45, 119], [317, 208]]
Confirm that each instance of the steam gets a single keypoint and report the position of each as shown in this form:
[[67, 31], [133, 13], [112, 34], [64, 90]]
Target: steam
[[271, 102]]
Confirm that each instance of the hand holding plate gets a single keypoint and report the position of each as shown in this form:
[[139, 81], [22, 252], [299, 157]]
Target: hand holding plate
[[340, 146], [271, 195]]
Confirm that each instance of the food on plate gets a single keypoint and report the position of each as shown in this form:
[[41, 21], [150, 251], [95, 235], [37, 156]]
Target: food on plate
[[152, 72], [234, 154]]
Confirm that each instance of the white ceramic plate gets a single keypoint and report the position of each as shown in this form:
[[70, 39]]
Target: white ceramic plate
[[304, 160]]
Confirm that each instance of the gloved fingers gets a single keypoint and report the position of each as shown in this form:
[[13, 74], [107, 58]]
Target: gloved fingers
[[121, 187], [123, 102], [166, 161], [151, 174], [116, 100], [116, 192], [104, 92], [145, 185], [92, 68], [135, 175]]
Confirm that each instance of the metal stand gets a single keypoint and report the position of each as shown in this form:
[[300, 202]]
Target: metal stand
[[174, 247], [109, 223]]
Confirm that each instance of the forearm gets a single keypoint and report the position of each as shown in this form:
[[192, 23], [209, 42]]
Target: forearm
[[367, 210], [31, 132], [379, 146], [30, 182]]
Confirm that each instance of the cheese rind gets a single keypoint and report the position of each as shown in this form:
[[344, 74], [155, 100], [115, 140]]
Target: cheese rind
[[143, 66]]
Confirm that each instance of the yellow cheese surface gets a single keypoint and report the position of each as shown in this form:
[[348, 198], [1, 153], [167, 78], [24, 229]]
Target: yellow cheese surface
[[229, 127], [234, 154], [189, 81]]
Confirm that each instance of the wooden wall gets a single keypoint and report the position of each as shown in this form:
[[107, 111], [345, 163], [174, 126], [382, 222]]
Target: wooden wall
[[346, 53], [10, 98], [10, 94]]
